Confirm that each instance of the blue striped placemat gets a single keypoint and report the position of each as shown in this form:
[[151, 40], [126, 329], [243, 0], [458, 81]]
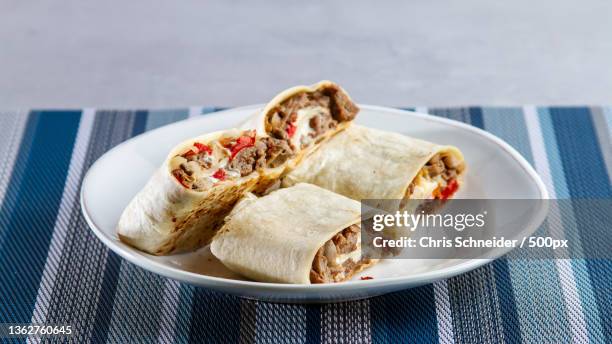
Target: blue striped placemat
[[53, 269]]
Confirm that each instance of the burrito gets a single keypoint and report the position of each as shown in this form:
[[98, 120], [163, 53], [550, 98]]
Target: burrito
[[185, 201], [363, 163], [303, 234], [305, 116]]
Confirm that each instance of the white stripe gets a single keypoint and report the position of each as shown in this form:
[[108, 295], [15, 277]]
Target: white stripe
[[603, 136], [444, 316], [69, 199], [169, 312], [13, 125], [607, 115], [195, 111], [567, 279]]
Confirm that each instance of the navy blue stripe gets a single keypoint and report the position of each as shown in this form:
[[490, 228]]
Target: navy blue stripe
[[313, 324], [113, 262], [406, 316], [31, 207], [581, 155], [140, 122], [476, 118], [586, 177], [507, 301], [215, 318]]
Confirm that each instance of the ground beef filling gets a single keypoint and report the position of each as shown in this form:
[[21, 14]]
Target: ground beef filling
[[268, 152], [341, 109], [265, 152], [324, 268], [277, 151], [442, 166]]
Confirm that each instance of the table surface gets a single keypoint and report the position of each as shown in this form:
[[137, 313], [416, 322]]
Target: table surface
[[53, 270], [161, 54]]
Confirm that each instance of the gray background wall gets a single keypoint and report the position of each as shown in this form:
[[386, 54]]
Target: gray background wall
[[179, 53]]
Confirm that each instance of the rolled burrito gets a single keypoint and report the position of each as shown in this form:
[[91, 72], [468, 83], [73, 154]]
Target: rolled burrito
[[184, 203], [363, 163], [303, 234], [305, 116]]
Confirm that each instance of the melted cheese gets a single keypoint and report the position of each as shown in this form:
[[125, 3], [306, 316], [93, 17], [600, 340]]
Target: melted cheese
[[424, 187], [354, 255], [219, 160], [302, 124]]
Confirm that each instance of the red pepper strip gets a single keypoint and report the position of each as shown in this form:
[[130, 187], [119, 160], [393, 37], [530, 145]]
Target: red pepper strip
[[189, 153], [366, 278], [178, 177], [291, 128], [220, 174], [203, 148], [241, 143], [450, 189]]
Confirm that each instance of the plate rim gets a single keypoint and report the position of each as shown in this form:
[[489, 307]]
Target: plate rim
[[220, 282]]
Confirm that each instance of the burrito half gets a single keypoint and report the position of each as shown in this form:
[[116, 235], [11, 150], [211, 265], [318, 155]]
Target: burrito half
[[305, 116], [363, 163], [184, 203], [303, 234]]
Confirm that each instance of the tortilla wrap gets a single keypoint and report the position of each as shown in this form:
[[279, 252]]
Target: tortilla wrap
[[168, 216], [364, 163], [275, 238], [165, 217]]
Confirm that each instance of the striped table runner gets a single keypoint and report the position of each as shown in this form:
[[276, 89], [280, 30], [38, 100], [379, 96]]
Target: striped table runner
[[53, 269]]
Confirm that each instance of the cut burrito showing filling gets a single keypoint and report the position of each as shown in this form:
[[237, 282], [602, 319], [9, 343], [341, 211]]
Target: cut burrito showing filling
[[363, 163], [303, 234], [184, 203], [305, 116]]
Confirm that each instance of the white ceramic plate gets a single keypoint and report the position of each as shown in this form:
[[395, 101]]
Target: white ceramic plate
[[106, 190]]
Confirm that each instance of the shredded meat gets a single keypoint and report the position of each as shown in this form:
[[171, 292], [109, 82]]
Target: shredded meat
[[324, 268], [266, 152], [346, 241], [439, 165], [202, 158], [435, 166], [279, 121], [278, 151], [261, 148], [321, 123], [245, 161], [341, 109]]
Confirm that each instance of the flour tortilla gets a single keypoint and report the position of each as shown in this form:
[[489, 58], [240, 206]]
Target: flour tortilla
[[166, 218], [364, 163], [275, 238]]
